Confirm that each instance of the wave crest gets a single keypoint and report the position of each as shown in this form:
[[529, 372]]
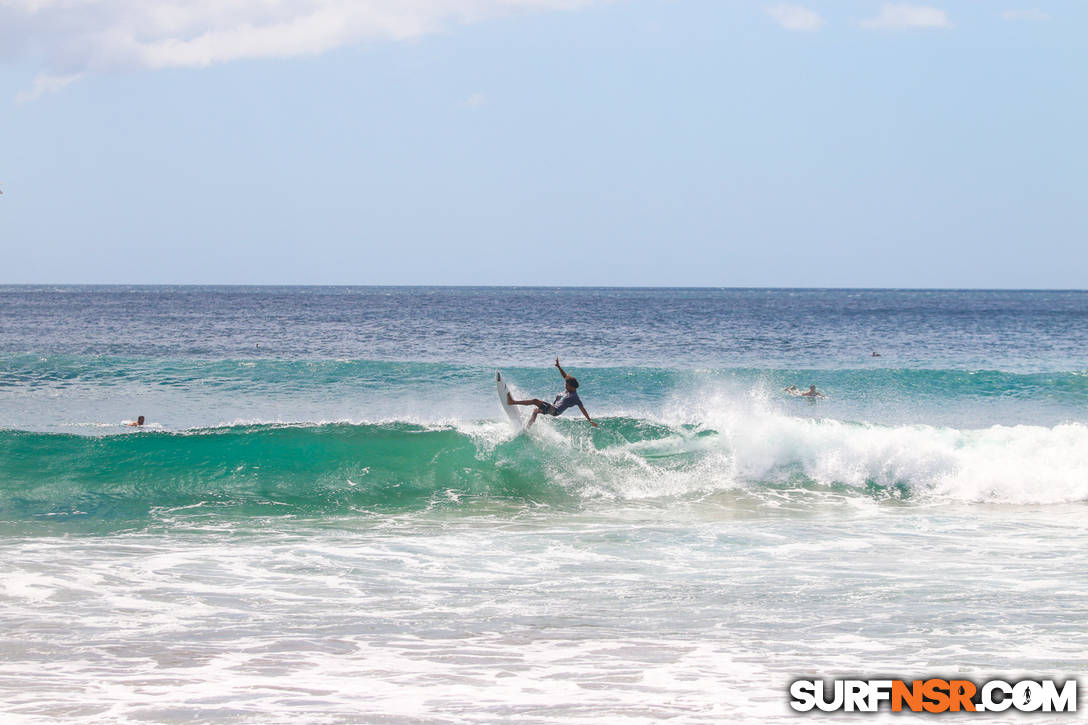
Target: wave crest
[[397, 466]]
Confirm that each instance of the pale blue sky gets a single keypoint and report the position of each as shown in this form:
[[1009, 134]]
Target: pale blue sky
[[664, 142]]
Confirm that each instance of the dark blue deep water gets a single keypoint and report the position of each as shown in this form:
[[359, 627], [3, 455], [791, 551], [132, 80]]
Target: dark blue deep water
[[1012, 331]]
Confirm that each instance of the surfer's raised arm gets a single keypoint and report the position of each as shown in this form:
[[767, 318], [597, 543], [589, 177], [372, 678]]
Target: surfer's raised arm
[[591, 421], [561, 372]]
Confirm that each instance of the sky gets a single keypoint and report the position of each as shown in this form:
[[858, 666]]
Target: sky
[[855, 143]]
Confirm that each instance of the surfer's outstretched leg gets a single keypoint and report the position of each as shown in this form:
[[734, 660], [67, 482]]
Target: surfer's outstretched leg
[[510, 401]]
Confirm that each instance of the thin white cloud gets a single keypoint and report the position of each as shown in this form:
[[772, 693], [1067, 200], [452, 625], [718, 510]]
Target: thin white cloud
[[68, 38], [45, 83], [1029, 15], [795, 17], [900, 17], [476, 100]]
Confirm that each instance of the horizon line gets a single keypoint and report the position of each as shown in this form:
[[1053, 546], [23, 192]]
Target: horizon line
[[536, 286]]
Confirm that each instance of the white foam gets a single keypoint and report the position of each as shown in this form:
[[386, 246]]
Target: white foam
[[1004, 464], [748, 441]]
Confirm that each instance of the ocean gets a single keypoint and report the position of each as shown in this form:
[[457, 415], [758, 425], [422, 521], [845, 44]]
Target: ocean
[[327, 518]]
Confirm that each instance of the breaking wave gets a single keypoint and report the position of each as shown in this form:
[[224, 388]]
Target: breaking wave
[[315, 469]]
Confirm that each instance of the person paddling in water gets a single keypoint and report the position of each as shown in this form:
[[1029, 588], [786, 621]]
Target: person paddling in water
[[812, 392], [567, 399]]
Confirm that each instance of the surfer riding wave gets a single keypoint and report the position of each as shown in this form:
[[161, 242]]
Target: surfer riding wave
[[567, 399]]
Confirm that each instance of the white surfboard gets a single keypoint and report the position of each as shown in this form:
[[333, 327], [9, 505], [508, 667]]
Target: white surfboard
[[510, 410]]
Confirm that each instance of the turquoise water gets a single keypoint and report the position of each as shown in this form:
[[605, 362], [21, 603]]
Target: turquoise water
[[327, 517]]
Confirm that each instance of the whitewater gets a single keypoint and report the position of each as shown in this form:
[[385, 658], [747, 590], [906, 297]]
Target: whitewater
[[327, 517]]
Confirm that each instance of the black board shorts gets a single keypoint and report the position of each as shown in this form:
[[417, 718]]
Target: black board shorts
[[547, 408]]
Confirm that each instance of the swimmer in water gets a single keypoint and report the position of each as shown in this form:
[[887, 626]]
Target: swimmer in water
[[136, 423], [812, 392], [567, 399]]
